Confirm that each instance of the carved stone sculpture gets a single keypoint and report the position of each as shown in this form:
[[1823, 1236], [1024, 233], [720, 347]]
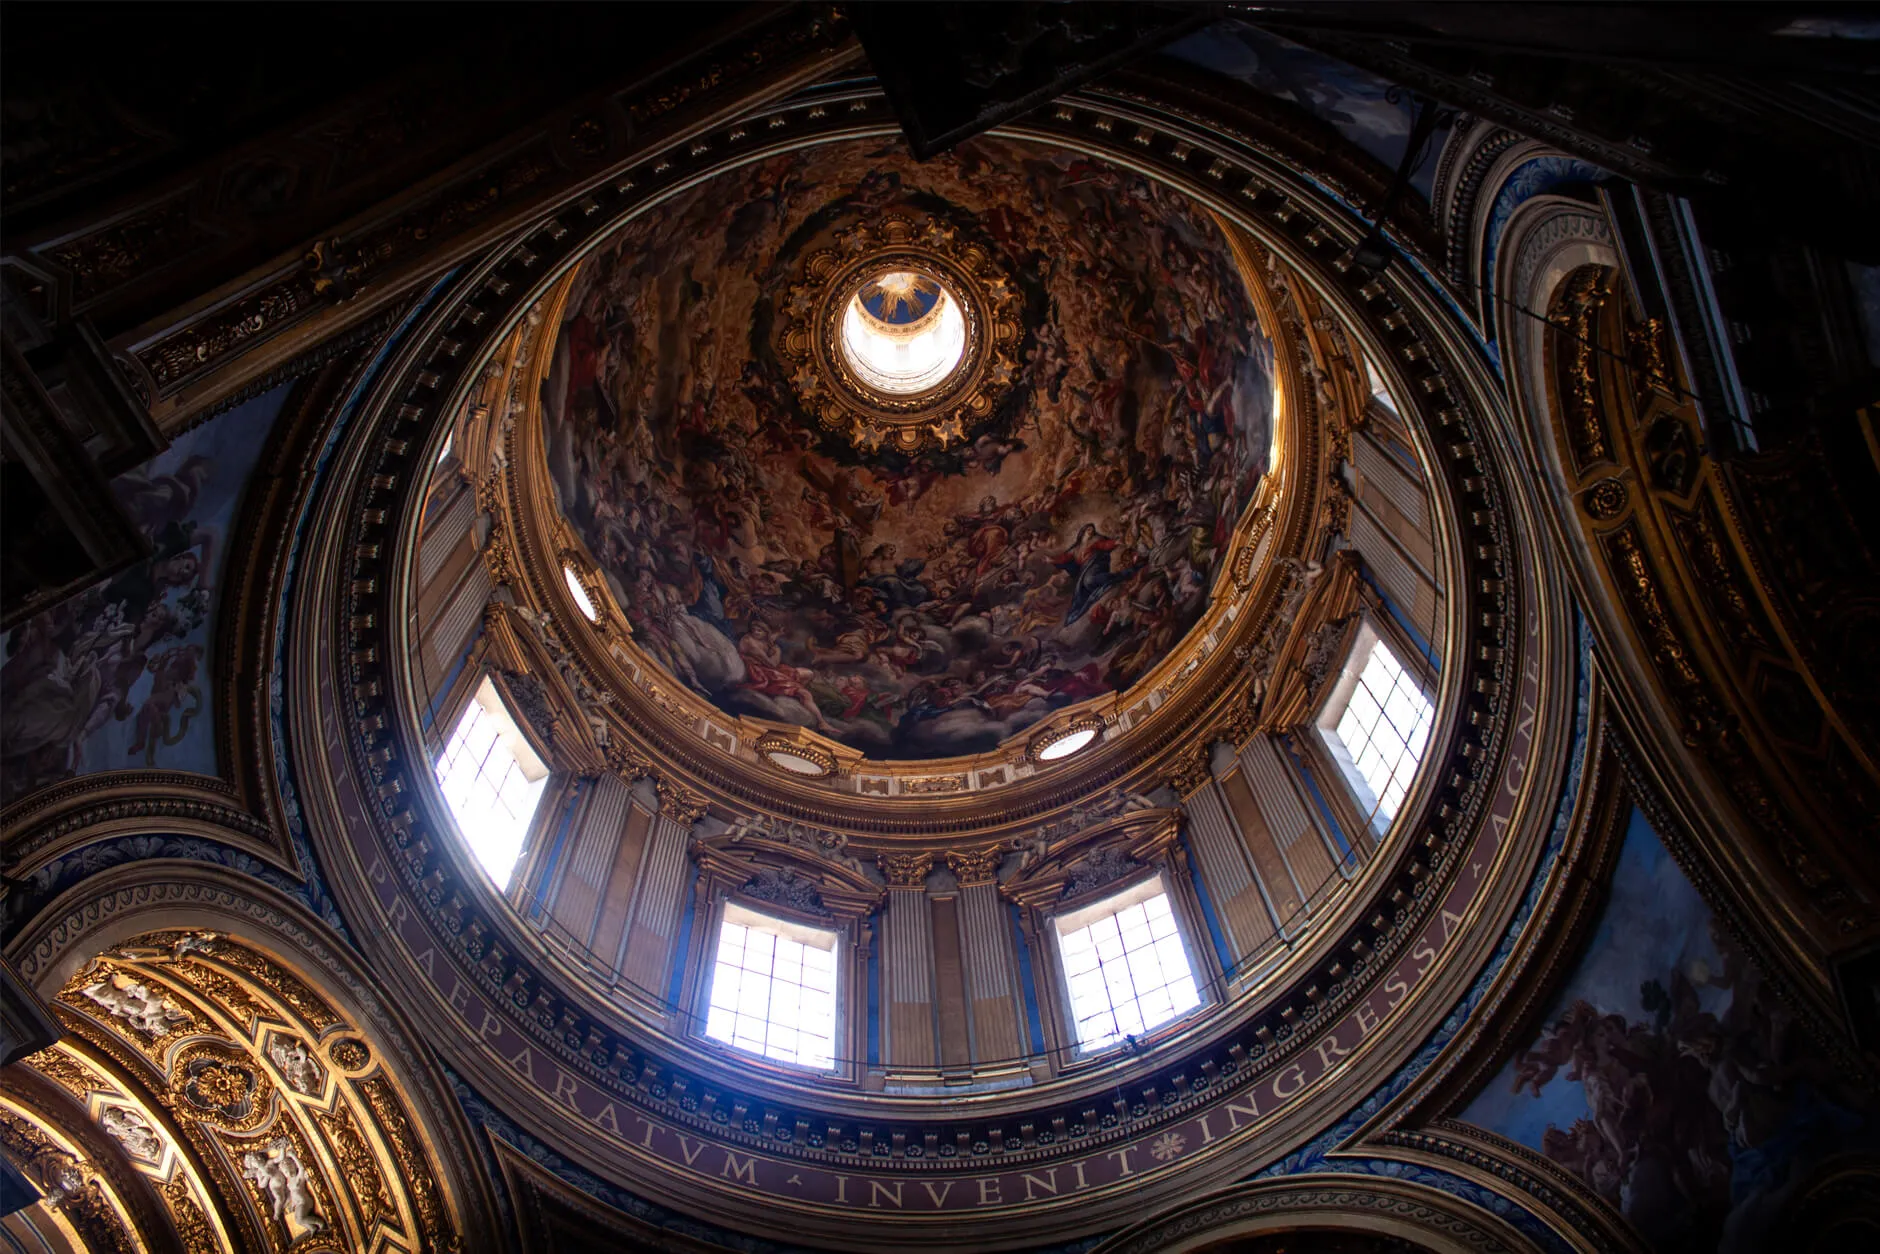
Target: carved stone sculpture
[[131, 1130], [784, 887]]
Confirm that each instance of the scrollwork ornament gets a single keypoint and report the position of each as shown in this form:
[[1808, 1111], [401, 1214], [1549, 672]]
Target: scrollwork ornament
[[1188, 770], [220, 1085], [681, 804]]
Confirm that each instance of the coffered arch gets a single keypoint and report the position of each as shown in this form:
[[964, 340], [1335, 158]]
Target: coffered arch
[[230, 1095]]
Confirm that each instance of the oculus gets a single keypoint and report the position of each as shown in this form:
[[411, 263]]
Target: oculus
[[795, 756], [902, 333], [577, 590]]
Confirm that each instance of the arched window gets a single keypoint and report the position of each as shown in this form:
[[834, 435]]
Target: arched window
[[1376, 725], [492, 779]]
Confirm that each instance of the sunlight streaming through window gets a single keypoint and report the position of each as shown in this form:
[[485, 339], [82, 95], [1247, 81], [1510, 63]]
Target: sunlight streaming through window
[[774, 989], [1125, 966], [492, 781]]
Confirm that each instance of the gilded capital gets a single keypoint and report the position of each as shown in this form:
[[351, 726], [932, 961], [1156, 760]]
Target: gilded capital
[[976, 866], [906, 870]]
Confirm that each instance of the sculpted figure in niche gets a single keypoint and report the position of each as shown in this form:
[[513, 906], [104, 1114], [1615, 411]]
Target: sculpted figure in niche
[[296, 1065], [153, 1014], [132, 1132], [278, 1174]]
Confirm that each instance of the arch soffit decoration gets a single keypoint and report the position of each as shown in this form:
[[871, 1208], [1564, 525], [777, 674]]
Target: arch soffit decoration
[[376, 830], [1645, 550], [1424, 1216], [233, 1056]]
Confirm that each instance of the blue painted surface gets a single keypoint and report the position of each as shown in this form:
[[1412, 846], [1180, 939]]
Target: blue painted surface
[[874, 1002], [677, 982], [1027, 984], [1215, 934], [1354, 102], [450, 679], [1314, 1155], [122, 675], [554, 850], [1346, 857], [309, 887], [1528, 180], [1402, 619], [1667, 1075]]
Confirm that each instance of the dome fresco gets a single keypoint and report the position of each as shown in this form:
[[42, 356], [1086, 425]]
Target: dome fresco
[[935, 602]]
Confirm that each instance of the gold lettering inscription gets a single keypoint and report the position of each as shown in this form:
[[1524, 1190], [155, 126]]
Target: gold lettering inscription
[[877, 1190], [690, 1148], [1330, 1049], [1235, 1110], [1424, 955], [1399, 990], [735, 1170], [1298, 1081], [1207, 1137], [608, 1119], [1047, 1183], [940, 1198], [1122, 1159], [989, 1191], [1451, 921], [1366, 1017], [459, 997], [564, 1088]]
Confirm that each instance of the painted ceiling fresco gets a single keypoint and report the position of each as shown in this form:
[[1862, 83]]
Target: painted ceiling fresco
[[923, 606], [118, 677], [1359, 105], [1669, 1075]]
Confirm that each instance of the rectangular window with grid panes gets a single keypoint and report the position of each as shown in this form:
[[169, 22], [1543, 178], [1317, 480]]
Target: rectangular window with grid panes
[[773, 989], [1376, 726], [1126, 967]]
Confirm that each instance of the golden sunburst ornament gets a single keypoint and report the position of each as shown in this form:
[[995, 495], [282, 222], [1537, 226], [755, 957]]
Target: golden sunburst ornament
[[900, 333]]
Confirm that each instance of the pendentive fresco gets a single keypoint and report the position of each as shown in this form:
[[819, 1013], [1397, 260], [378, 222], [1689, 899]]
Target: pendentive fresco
[[118, 677]]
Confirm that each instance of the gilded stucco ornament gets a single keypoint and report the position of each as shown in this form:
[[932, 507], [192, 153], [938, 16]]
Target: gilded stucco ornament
[[935, 256], [1287, 1047]]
